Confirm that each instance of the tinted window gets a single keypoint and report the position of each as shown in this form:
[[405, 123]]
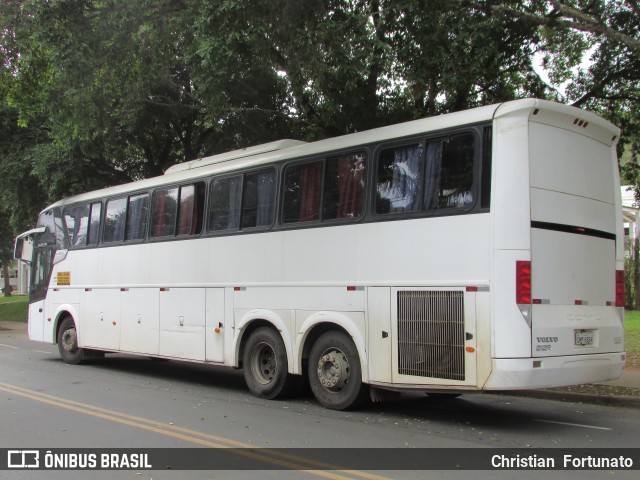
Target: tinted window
[[114, 220], [302, 192], [486, 169], [450, 173], [258, 199], [224, 203], [137, 217], [344, 186], [400, 179], [185, 213], [94, 225], [77, 220], [164, 212], [177, 210]]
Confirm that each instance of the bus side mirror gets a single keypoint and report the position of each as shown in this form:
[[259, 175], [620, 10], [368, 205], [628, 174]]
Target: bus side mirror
[[17, 249], [23, 249]]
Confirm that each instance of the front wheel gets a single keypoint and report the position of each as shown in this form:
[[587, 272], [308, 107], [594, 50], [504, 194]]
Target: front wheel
[[68, 343], [335, 374], [264, 365]]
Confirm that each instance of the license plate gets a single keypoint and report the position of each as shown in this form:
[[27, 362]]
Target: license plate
[[584, 338]]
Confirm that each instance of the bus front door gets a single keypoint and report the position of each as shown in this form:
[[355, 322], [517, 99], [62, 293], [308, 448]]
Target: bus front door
[[41, 266]]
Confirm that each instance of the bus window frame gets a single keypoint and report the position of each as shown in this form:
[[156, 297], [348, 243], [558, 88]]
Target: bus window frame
[[476, 130], [321, 222], [276, 168], [127, 198], [175, 236]]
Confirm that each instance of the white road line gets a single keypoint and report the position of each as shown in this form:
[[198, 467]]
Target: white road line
[[42, 351], [9, 346], [574, 424]]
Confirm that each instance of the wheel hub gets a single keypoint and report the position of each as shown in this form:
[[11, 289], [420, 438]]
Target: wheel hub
[[69, 340], [333, 370], [264, 364]]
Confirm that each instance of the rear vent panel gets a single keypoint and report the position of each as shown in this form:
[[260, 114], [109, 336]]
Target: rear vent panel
[[431, 334]]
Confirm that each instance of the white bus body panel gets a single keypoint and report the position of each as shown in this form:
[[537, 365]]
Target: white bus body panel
[[140, 320], [511, 334]]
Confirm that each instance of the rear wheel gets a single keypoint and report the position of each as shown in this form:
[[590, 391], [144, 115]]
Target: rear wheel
[[335, 374], [264, 364]]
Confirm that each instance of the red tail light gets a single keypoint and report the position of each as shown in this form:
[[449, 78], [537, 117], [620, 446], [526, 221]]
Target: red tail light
[[523, 282], [619, 288]]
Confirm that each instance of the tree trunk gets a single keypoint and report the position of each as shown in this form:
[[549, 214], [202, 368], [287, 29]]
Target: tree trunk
[[7, 282]]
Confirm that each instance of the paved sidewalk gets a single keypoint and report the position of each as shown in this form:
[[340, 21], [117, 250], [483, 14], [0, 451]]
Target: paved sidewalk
[[624, 391]]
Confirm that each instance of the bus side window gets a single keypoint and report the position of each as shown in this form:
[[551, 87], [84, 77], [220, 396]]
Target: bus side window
[[344, 186], [164, 209], [258, 198], [94, 225], [77, 220], [450, 172], [399, 179], [302, 192], [114, 220], [137, 217], [191, 209], [53, 220], [224, 203]]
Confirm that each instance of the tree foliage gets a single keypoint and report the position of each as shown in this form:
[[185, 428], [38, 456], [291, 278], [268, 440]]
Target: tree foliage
[[100, 92]]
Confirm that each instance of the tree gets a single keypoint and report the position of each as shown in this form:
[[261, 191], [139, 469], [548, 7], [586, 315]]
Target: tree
[[108, 91], [6, 254], [591, 46]]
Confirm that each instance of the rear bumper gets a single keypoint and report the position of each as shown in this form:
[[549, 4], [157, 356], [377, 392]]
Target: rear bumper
[[520, 373]]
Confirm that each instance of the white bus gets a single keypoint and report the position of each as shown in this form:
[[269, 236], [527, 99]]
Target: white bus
[[474, 251]]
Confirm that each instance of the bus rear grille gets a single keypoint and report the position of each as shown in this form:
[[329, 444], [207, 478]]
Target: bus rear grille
[[431, 334]]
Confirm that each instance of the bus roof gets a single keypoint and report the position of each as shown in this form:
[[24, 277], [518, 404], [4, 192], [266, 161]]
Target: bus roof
[[289, 149]]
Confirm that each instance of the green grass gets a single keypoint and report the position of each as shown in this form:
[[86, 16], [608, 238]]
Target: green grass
[[632, 333], [14, 308]]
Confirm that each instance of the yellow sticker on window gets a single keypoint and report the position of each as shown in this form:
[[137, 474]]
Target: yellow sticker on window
[[64, 278]]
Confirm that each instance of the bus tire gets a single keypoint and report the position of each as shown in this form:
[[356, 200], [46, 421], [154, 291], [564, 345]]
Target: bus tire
[[335, 374], [264, 365], [68, 343]]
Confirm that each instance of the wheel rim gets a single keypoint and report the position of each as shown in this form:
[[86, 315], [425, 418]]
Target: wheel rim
[[70, 340], [264, 365], [333, 370]]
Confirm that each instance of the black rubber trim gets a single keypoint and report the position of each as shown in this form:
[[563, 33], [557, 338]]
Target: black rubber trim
[[559, 227]]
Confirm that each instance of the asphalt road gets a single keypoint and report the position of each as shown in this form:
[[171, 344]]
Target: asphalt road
[[134, 402]]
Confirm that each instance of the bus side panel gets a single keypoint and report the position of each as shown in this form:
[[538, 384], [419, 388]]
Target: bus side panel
[[182, 323], [510, 207], [140, 317], [379, 334], [99, 322], [36, 321]]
